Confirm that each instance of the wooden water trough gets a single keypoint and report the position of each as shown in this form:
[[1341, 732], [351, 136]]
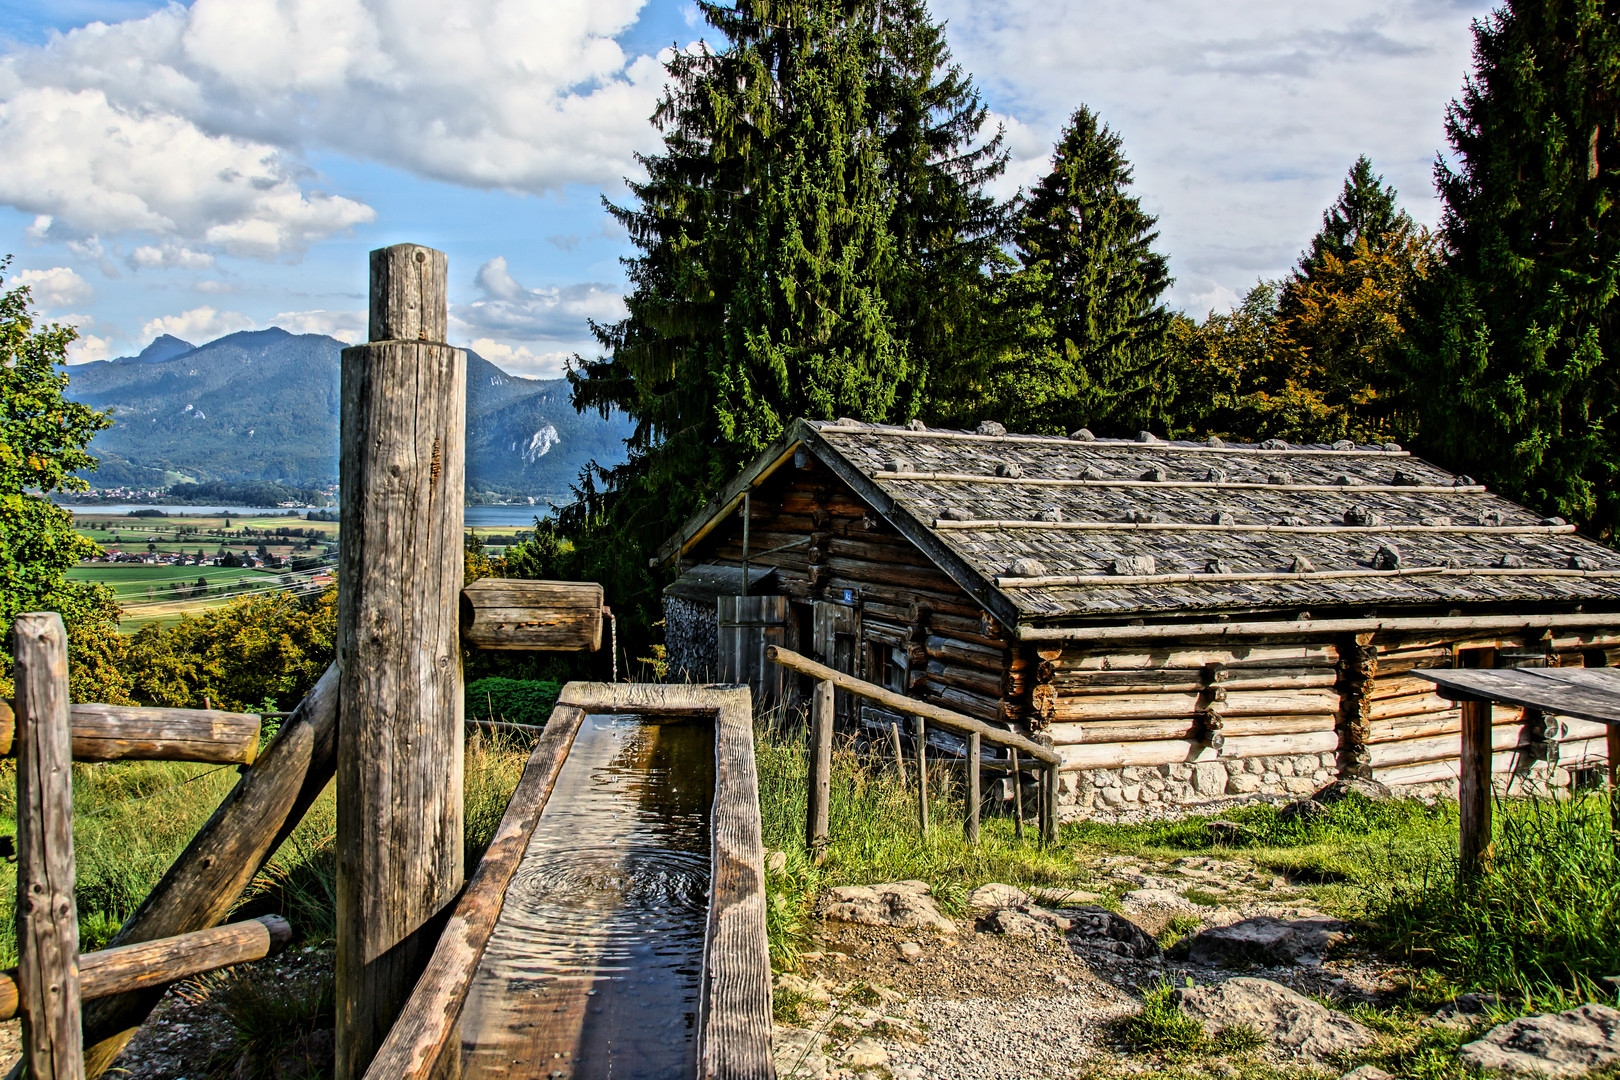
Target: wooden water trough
[[734, 1014]]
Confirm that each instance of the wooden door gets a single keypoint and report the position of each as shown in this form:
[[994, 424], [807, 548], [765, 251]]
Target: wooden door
[[746, 625], [837, 633]]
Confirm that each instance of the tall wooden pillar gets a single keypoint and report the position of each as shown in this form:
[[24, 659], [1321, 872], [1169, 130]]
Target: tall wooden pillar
[[399, 766]]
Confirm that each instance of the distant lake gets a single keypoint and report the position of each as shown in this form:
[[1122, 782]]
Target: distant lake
[[120, 509], [514, 517]]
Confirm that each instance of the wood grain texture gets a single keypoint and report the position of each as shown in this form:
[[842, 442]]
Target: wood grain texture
[[910, 706], [425, 1035], [734, 1037], [975, 748], [539, 616], [1474, 787], [819, 786], [734, 1025], [1303, 627], [409, 301], [47, 920], [157, 963], [399, 771], [210, 875], [130, 733]]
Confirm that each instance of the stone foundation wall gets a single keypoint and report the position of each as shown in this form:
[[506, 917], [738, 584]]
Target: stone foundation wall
[[1295, 775], [691, 640], [1155, 785]]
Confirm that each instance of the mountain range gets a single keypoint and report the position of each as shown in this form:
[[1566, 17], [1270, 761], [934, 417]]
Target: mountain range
[[263, 405]]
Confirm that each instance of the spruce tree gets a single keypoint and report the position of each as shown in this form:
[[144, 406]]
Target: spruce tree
[[810, 243], [1343, 316], [1091, 245], [1516, 371], [1366, 208]]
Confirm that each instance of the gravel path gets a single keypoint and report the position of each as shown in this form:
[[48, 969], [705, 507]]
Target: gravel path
[[997, 1039]]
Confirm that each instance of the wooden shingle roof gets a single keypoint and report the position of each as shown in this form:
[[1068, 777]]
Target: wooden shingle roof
[[1052, 528]]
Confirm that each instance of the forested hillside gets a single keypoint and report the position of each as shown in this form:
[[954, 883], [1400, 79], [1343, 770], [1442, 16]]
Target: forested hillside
[[263, 406]]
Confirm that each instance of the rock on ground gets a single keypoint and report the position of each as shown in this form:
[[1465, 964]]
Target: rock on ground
[[1289, 1021], [905, 904], [1367, 1072], [1099, 928], [1566, 1044], [996, 895], [1267, 941], [1027, 921]]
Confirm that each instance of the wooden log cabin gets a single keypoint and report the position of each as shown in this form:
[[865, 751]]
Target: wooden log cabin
[[1183, 620]]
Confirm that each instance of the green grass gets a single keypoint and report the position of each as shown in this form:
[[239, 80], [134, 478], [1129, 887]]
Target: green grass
[[131, 819], [875, 837], [130, 580]]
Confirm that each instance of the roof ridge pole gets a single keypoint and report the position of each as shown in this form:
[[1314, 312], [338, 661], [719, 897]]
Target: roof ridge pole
[[399, 758]]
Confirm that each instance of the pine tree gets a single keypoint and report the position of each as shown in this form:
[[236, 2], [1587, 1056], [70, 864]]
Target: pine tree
[[1366, 208], [810, 239], [1343, 315], [1516, 369], [1091, 244]]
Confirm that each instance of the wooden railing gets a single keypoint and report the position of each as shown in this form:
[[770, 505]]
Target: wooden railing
[[1045, 760], [52, 979]]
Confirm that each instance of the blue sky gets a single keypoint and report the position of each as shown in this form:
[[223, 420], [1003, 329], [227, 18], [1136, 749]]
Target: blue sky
[[199, 169]]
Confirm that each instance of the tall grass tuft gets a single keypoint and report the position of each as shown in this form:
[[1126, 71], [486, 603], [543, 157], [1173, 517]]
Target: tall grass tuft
[[131, 819], [874, 834], [1542, 922]]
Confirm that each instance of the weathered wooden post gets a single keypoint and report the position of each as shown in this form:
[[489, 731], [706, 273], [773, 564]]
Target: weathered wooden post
[[818, 791], [47, 920], [920, 726], [1474, 787], [973, 749], [399, 762]]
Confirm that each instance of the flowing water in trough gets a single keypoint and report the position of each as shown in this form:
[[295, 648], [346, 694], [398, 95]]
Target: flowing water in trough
[[593, 970]]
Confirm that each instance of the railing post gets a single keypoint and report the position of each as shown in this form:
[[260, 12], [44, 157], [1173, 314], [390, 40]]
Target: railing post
[[47, 920], [899, 755], [1474, 787], [399, 760], [1050, 823], [974, 745], [818, 789], [1017, 781], [922, 773]]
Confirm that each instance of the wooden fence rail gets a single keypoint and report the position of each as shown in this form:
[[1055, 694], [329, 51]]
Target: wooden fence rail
[[133, 733], [158, 963], [1045, 759]]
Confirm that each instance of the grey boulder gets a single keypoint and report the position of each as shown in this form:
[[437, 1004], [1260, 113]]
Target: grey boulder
[[1267, 941], [904, 904], [1564, 1045], [1098, 928], [1289, 1021]]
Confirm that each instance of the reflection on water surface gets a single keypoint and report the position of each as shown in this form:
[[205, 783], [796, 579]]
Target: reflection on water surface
[[593, 970]]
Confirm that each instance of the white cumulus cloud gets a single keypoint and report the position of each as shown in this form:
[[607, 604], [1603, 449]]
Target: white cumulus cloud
[[347, 326], [1241, 119], [88, 347], [191, 124], [508, 309], [199, 325], [520, 360], [56, 288], [150, 256]]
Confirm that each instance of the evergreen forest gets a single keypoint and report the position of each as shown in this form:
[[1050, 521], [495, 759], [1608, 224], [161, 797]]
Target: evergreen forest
[[816, 238]]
